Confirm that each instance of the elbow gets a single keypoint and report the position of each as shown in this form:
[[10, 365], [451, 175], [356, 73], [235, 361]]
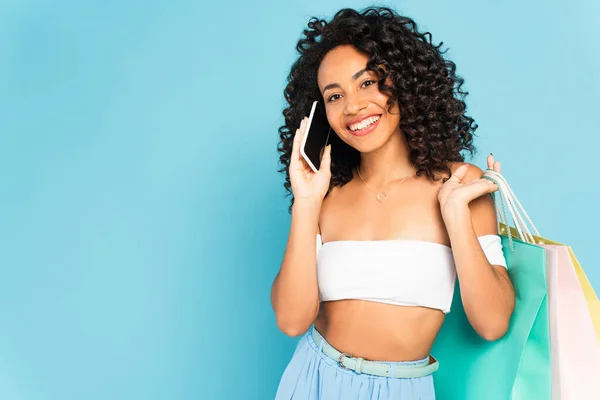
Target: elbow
[[492, 329], [294, 319], [296, 323], [292, 329], [496, 328], [492, 335]]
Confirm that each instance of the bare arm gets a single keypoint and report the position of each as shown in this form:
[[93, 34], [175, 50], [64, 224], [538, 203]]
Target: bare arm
[[486, 290], [487, 293], [295, 293]]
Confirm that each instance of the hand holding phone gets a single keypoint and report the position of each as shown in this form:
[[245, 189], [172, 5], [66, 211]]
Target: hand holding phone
[[306, 180], [316, 136]]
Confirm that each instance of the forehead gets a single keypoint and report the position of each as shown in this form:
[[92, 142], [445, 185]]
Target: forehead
[[340, 64]]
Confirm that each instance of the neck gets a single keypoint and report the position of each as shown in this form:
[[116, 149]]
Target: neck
[[387, 163]]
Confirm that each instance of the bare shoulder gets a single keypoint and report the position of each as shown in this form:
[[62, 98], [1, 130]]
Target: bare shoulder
[[332, 195], [337, 209], [338, 199], [331, 202]]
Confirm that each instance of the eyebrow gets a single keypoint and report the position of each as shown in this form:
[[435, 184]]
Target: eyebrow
[[337, 85]]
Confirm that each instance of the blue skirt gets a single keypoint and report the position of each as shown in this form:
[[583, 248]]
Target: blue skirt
[[311, 375]]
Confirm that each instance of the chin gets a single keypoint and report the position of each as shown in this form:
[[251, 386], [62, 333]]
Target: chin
[[370, 142], [371, 146]]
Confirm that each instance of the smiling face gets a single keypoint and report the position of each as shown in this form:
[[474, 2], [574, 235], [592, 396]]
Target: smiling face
[[356, 109]]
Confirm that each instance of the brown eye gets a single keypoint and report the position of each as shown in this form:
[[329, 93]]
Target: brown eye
[[364, 84], [369, 81]]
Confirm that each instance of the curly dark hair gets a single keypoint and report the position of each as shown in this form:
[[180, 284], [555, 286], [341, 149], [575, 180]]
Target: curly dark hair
[[426, 89]]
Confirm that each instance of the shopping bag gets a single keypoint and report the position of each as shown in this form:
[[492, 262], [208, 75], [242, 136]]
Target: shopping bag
[[591, 299], [472, 368], [575, 351], [517, 366]]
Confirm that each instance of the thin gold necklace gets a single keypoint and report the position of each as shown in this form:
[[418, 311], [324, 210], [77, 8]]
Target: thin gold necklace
[[380, 196]]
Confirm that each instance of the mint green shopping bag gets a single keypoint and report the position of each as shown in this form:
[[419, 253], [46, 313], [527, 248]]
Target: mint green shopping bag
[[516, 366]]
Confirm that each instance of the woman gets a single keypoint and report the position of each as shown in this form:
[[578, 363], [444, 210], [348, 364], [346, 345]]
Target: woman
[[397, 215]]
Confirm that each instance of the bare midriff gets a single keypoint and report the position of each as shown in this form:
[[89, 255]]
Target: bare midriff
[[379, 331]]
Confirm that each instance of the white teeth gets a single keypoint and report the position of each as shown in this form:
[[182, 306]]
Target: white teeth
[[364, 123]]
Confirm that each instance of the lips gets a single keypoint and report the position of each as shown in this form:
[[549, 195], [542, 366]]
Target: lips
[[357, 120], [368, 129]]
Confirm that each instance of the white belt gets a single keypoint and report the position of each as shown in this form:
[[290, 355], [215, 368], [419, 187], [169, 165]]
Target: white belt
[[378, 368]]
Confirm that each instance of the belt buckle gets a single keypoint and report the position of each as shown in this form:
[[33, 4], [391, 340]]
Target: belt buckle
[[341, 364]]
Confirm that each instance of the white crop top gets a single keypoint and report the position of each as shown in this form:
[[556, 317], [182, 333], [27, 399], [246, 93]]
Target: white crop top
[[402, 272]]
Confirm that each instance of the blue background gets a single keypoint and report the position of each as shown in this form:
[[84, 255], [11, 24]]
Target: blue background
[[142, 219]]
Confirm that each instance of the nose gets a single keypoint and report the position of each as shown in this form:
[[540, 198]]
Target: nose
[[354, 104]]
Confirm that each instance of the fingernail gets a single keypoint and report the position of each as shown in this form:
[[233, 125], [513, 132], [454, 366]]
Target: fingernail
[[491, 154]]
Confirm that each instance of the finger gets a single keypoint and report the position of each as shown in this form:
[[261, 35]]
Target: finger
[[460, 173], [479, 187], [302, 129], [490, 161], [475, 189], [303, 125], [497, 166], [485, 182], [296, 146], [326, 161]]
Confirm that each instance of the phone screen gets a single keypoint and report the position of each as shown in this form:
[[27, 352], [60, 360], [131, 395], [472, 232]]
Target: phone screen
[[316, 137]]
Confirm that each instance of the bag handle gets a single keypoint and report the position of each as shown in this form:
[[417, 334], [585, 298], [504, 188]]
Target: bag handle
[[508, 200]]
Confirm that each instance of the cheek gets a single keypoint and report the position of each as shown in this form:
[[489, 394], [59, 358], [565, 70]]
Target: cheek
[[334, 117], [341, 132], [393, 112], [339, 129]]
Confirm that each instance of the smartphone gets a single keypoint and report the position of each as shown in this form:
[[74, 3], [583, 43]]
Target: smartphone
[[316, 136]]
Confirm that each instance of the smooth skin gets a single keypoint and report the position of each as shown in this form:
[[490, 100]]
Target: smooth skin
[[451, 214]]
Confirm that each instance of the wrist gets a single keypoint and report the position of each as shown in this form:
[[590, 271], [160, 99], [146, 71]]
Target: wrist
[[306, 214], [455, 212], [307, 205]]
